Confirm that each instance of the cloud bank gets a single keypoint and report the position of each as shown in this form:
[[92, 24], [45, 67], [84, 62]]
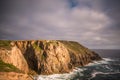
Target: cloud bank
[[85, 21]]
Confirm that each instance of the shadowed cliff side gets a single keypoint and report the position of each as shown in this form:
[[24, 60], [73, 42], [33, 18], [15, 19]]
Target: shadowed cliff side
[[46, 56]]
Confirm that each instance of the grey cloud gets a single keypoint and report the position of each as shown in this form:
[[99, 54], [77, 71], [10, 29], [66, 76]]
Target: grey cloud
[[86, 22]]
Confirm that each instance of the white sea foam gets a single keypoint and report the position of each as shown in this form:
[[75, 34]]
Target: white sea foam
[[108, 59], [76, 71], [107, 67], [96, 73], [104, 61], [65, 76]]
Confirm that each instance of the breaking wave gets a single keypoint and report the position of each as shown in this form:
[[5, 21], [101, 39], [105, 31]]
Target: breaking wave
[[65, 76], [96, 73], [107, 66]]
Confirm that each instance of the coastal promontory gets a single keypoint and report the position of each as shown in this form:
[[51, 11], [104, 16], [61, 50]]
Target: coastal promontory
[[44, 56]]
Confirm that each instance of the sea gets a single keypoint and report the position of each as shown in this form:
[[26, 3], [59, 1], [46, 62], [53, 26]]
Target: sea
[[106, 69]]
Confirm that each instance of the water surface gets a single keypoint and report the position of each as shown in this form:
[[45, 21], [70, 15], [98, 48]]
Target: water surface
[[106, 69]]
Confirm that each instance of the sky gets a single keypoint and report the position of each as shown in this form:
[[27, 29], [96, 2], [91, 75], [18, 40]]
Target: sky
[[93, 23]]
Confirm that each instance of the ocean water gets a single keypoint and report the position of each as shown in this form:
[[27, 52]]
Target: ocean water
[[106, 69]]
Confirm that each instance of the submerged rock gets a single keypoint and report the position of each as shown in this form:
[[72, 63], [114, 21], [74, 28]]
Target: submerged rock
[[47, 56]]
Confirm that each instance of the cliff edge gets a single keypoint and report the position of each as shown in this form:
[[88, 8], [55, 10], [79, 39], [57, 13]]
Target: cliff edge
[[45, 56]]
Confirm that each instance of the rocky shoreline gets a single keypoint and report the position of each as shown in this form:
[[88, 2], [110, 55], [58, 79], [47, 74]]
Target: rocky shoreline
[[45, 56]]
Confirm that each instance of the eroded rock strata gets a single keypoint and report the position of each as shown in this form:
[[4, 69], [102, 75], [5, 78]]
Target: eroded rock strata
[[47, 56], [14, 76]]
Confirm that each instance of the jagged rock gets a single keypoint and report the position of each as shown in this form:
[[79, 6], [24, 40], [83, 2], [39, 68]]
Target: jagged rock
[[15, 57], [47, 56], [14, 76]]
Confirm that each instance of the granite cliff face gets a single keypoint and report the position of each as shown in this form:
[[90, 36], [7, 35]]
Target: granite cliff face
[[14, 76], [47, 56]]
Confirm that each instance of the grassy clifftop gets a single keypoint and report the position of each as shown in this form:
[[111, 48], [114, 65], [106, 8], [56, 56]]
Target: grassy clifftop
[[74, 46], [44, 56], [5, 67], [5, 44]]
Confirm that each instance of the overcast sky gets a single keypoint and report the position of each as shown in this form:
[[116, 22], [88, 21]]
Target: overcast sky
[[93, 23]]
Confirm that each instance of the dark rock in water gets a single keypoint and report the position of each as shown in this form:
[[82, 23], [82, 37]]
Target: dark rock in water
[[47, 56]]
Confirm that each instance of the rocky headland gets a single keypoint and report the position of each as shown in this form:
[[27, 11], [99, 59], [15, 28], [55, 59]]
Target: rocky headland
[[33, 57]]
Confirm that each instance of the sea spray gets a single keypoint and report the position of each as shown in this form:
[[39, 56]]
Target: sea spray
[[92, 71]]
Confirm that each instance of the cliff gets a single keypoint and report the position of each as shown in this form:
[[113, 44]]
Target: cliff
[[14, 76], [46, 56], [10, 72]]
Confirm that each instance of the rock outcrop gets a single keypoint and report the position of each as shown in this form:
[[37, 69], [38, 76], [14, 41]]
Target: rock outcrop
[[15, 57], [47, 56], [14, 76]]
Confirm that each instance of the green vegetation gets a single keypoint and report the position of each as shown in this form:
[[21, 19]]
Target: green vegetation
[[55, 43], [5, 44], [36, 47], [43, 57], [5, 67], [74, 46]]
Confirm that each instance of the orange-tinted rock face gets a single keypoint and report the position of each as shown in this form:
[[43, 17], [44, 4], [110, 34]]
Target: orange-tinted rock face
[[47, 56], [15, 57], [55, 59], [14, 76]]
